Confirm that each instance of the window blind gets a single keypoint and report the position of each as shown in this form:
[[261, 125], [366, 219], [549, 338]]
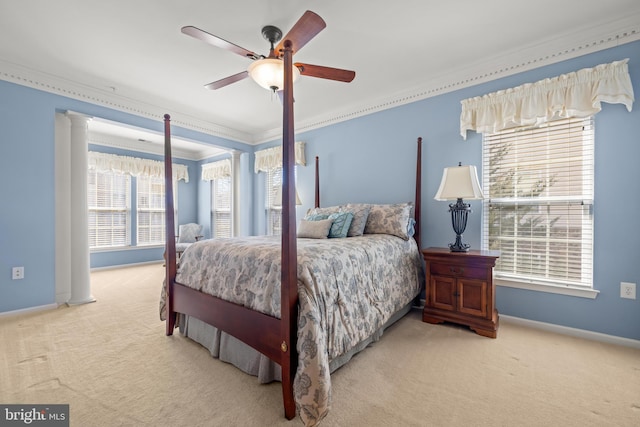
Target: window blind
[[273, 212], [109, 211], [151, 210], [221, 206], [538, 184]]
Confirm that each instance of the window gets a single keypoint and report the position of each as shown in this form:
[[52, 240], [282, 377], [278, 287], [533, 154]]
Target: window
[[221, 207], [111, 203], [538, 185], [273, 209], [109, 209], [269, 161], [150, 209]]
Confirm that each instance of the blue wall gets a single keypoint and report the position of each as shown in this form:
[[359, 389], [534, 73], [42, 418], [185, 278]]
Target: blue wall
[[27, 173], [371, 159], [27, 220], [368, 159]]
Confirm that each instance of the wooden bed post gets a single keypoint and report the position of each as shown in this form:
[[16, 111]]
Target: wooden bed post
[[317, 203], [289, 262], [170, 233], [418, 199]]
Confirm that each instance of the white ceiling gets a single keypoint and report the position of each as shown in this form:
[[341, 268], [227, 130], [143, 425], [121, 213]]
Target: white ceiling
[[131, 55]]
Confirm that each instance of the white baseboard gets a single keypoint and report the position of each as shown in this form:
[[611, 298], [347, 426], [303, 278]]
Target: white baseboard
[[580, 333], [133, 264], [29, 310], [56, 305]]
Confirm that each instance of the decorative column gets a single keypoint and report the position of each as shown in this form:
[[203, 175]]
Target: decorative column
[[79, 238], [63, 208], [235, 192]]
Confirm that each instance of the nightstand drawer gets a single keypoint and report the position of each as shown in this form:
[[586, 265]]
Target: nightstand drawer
[[457, 270]]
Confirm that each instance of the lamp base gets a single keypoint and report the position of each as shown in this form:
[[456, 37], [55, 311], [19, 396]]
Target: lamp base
[[458, 246], [459, 213]]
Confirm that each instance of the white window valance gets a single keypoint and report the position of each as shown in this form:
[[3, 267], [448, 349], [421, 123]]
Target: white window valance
[[134, 166], [216, 170], [271, 158], [576, 94]]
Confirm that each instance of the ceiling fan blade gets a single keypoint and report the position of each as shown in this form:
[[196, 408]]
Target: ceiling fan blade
[[227, 81], [325, 72], [218, 42], [307, 27]]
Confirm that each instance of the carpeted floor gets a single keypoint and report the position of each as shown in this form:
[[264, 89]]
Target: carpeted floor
[[112, 363]]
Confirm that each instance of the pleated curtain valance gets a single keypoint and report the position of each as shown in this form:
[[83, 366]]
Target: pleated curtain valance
[[271, 158], [216, 170], [576, 94], [134, 166]]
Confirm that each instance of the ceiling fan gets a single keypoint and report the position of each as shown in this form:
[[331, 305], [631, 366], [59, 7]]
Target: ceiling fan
[[267, 71]]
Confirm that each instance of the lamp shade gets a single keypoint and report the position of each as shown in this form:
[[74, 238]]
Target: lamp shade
[[459, 182], [269, 73]]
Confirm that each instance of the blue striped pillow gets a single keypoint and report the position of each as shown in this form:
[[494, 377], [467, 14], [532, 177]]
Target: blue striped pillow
[[341, 223]]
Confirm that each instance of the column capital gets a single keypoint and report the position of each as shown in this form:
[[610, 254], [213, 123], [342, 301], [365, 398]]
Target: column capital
[[78, 118]]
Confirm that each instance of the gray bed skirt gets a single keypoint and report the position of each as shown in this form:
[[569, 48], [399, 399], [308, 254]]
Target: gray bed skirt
[[231, 350]]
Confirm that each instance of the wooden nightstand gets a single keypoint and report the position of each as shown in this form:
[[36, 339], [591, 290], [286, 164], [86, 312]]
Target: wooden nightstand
[[460, 289]]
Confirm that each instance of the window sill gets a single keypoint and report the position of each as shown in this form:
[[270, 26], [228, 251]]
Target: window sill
[[549, 288]]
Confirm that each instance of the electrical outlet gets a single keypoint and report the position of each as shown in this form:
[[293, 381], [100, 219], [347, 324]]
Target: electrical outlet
[[17, 273], [627, 290]]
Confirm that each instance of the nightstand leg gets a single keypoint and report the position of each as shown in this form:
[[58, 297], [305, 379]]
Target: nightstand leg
[[432, 320], [485, 332]]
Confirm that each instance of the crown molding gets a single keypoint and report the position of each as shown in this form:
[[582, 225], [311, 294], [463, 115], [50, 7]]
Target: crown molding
[[558, 48], [24, 76], [543, 52]]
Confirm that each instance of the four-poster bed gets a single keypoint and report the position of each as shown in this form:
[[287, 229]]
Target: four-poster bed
[[274, 331]]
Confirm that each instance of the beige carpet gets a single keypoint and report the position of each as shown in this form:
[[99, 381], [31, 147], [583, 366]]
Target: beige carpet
[[112, 363]]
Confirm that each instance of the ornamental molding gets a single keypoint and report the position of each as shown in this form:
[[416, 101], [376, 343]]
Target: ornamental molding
[[542, 53]]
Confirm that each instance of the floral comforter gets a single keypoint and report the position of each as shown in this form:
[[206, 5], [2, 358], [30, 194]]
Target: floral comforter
[[348, 288]]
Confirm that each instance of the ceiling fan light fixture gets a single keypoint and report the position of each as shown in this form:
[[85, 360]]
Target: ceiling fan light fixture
[[269, 73]]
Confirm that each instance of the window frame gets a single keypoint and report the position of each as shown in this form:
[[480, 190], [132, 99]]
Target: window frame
[[585, 201]]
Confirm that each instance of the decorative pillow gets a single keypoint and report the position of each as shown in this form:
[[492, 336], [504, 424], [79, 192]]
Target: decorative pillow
[[316, 217], [314, 229], [341, 223], [360, 213], [390, 219], [323, 211], [411, 227]]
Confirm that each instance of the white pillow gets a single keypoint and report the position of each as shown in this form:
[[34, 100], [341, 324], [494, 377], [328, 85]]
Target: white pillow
[[315, 229]]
